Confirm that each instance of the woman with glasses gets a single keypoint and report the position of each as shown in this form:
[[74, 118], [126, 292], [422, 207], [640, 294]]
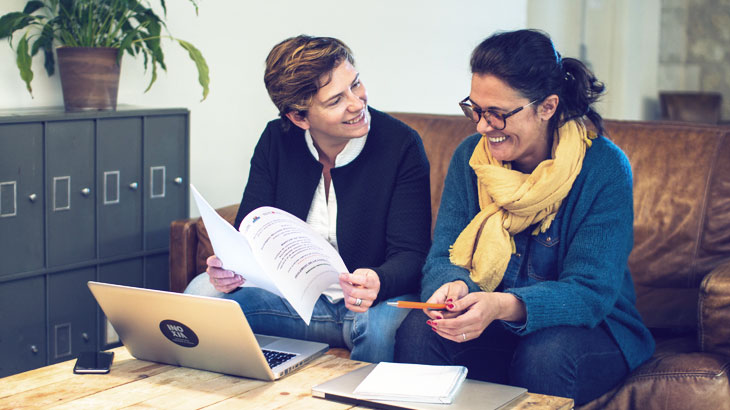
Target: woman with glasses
[[358, 177], [533, 235]]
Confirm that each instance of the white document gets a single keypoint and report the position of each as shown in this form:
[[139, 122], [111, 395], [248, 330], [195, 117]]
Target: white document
[[412, 382], [275, 251]]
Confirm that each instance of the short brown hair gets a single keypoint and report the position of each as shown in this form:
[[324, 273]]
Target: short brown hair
[[294, 68]]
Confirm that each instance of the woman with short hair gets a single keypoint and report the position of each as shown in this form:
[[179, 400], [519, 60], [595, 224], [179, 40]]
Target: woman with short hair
[[358, 177]]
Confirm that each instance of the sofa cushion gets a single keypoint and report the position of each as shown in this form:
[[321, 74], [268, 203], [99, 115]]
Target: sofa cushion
[[681, 213], [676, 377], [441, 134], [714, 311]]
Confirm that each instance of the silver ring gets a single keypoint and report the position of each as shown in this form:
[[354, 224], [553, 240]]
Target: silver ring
[[464, 336], [358, 302]]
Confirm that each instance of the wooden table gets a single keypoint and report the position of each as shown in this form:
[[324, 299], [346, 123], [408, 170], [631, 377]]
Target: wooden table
[[141, 384]]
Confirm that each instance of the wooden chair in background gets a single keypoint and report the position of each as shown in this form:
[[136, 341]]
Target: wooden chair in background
[[691, 106]]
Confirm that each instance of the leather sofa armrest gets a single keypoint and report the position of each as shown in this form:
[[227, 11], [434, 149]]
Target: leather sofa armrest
[[183, 250], [714, 311], [190, 247]]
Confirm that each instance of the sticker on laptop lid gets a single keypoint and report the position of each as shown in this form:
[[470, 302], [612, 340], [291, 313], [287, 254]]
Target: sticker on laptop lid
[[178, 333]]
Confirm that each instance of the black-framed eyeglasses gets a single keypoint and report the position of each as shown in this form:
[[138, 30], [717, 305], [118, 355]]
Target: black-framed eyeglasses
[[494, 119]]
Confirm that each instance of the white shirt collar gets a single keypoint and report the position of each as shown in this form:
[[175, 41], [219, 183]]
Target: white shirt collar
[[348, 154]]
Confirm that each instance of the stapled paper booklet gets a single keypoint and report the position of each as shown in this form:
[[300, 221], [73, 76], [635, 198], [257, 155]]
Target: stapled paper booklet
[[412, 382], [275, 251]]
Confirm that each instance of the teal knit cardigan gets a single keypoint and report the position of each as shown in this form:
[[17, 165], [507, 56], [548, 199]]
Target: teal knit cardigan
[[593, 284]]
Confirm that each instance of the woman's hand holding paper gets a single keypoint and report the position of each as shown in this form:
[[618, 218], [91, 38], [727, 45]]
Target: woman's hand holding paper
[[222, 280], [360, 288]]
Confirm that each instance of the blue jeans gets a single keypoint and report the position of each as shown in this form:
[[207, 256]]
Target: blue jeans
[[565, 361], [370, 335]]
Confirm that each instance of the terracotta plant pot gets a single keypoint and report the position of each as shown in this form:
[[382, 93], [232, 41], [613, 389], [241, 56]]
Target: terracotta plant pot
[[89, 77]]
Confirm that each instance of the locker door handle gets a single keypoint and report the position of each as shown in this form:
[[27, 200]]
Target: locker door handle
[[85, 192], [34, 349], [32, 197], [133, 186], [178, 180], [85, 336]]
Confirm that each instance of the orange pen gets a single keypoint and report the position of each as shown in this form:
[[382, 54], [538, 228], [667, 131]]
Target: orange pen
[[417, 305]]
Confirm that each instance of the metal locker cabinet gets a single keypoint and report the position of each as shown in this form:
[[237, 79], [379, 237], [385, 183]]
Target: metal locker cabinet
[[70, 192], [119, 185], [71, 314], [23, 325], [165, 159], [128, 273], [77, 204], [21, 198], [157, 268], [166, 186]]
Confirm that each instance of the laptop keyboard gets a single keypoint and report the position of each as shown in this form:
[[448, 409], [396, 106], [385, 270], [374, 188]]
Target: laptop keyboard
[[276, 358]]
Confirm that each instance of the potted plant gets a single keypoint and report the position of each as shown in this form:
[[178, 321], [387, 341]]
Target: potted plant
[[92, 36]]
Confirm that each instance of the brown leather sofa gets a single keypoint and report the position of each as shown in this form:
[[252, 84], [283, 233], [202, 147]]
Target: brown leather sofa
[[680, 262]]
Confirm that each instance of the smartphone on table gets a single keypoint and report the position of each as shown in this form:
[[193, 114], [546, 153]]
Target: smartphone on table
[[93, 362]]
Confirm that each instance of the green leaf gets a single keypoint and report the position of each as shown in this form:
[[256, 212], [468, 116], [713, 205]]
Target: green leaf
[[145, 58], [49, 62], [45, 43], [24, 62], [126, 44], [120, 54], [154, 73], [45, 40], [32, 6], [12, 22], [36, 46], [153, 43], [203, 72], [68, 5], [195, 5]]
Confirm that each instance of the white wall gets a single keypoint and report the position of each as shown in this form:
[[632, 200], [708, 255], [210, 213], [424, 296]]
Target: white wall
[[412, 54], [622, 47]]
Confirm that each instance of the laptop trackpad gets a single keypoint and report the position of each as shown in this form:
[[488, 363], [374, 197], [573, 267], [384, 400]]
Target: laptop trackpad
[[264, 340]]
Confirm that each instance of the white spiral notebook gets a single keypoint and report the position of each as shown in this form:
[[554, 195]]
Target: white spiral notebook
[[412, 382]]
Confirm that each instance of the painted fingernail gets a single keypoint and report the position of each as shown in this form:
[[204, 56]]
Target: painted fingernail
[[450, 305], [439, 317], [449, 300], [430, 323]]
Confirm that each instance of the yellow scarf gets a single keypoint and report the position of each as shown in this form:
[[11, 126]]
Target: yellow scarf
[[511, 201]]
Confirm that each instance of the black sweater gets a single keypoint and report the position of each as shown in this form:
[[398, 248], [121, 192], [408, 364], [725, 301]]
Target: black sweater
[[383, 197]]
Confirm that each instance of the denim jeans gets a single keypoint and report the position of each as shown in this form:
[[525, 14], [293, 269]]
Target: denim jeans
[[201, 286], [565, 361], [370, 336]]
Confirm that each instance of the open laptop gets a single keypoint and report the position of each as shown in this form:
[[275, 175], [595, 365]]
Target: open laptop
[[473, 394], [199, 332]]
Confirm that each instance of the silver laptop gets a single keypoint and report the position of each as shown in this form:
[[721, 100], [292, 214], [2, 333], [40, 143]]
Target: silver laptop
[[473, 394], [199, 332]]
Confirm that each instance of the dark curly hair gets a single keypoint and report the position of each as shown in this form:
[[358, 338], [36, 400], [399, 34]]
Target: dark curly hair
[[528, 62]]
